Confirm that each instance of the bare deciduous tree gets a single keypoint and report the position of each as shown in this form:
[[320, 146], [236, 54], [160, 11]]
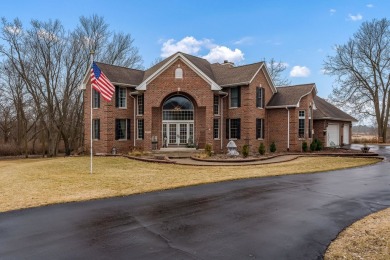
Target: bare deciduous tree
[[275, 70], [362, 68]]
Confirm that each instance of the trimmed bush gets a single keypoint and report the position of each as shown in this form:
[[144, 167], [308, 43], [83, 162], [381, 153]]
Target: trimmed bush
[[245, 150], [208, 149], [272, 147], [313, 146], [262, 149], [304, 146], [319, 145]]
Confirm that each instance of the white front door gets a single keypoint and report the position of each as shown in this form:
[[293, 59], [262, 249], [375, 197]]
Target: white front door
[[178, 133], [333, 135], [346, 134]]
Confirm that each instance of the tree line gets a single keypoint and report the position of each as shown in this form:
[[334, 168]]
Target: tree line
[[41, 69]]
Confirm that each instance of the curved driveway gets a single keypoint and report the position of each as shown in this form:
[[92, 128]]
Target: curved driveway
[[286, 217]]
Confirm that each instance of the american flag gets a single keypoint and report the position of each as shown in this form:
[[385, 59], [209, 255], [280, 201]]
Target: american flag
[[101, 83]]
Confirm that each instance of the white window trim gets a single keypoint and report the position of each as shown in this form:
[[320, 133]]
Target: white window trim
[[138, 114], [230, 129], [262, 130], [125, 107], [219, 129], [304, 127], [138, 120], [219, 106], [262, 97], [230, 99], [123, 139]]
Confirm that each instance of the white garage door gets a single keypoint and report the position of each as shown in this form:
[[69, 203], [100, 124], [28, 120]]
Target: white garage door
[[333, 135], [346, 134]]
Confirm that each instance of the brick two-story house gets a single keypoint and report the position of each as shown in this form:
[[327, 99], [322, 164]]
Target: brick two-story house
[[186, 101]]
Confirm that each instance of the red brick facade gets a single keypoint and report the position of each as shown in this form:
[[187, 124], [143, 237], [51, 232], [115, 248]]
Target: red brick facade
[[278, 127]]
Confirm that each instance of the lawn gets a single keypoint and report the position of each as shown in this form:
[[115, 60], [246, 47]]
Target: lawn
[[28, 183]]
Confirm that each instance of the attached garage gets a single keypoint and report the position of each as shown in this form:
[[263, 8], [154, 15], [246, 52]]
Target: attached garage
[[346, 133], [333, 135]]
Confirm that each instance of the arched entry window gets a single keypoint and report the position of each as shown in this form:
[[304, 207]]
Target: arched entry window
[[178, 121]]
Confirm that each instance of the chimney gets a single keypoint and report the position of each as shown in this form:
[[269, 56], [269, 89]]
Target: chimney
[[226, 62]]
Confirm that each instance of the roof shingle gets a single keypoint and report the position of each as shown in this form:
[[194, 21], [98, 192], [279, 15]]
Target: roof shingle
[[290, 96], [121, 75], [326, 110]]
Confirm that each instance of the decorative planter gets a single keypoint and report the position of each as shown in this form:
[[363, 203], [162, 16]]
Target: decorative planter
[[365, 149]]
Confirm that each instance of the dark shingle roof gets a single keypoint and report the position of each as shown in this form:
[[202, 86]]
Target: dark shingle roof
[[326, 110], [228, 75], [290, 96], [121, 75]]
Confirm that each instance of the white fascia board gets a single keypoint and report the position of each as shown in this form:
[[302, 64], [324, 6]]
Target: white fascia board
[[272, 107], [315, 89], [214, 85], [83, 85], [267, 77]]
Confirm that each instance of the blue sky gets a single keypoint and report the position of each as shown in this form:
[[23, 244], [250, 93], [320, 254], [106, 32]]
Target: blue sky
[[298, 33]]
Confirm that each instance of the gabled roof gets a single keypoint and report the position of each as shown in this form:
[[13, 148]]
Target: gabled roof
[[290, 96], [218, 75], [121, 75], [328, 111], [199, 65]]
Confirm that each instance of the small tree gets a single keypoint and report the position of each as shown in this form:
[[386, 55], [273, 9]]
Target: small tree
[[245, 150], [208, 149], [272, 147], [319, 145], [304, 146], [262, 149]]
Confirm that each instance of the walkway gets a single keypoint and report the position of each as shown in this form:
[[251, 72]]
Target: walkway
[[277, 159]]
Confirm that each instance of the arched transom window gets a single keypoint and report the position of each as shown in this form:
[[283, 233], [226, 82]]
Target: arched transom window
[[178, 108]]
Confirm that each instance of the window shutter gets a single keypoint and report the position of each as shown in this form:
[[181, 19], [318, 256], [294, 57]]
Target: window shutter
[[227, 128], [238, 128], [262, 98], [257, 97], [257, 128], [239, 96], [128, 129], [117, 126], [116, 96], [98, 128], [262, 129], [98, 100]]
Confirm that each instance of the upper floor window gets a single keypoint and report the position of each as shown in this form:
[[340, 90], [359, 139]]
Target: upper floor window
[[301, 124], [216, 105], [178, 73], [95, 99], [140, 104], [120, 97], [260, 97], [235, 97]]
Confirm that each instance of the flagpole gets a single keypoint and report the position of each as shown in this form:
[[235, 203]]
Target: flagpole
[[91, 62]]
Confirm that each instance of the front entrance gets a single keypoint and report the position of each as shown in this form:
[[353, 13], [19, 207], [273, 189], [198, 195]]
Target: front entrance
[[178, 133], [178, 122]]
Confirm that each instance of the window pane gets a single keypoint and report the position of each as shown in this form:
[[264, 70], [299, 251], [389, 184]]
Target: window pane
[[140, 128], [234, 97], [216, 105], [140, 104], [122, 128], [234, 125], [216, 128], [122, 97]]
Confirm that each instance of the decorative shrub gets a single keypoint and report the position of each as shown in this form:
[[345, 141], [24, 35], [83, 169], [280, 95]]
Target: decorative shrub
[[208, 149], [319, 145], [313, 146], [245, 150], [304, 146], [316, 145], [272, 147], [262, 149]]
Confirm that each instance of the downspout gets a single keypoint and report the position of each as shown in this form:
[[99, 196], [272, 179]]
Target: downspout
[[288, 129], [222, 119]]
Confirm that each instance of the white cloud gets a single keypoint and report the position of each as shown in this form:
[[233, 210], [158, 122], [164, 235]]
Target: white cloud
[[244, 40], [13, 29], [221, 53], [190, 45], [370, 5], [332, 11], [355, 17], [299, 71]]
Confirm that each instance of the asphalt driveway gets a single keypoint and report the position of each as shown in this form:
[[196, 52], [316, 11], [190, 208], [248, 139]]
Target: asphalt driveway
[[285, 217]]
